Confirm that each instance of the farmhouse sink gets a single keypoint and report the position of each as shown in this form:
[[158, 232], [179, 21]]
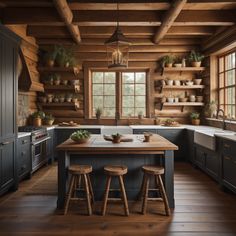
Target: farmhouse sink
[[108, 130], [207, 138]]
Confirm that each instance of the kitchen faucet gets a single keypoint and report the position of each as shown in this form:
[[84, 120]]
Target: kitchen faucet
[[217, 117]]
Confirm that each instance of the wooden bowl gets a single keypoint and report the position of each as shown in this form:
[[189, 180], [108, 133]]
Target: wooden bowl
[[81, 141]]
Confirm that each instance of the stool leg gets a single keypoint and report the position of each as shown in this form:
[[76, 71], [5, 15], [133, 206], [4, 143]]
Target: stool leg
[[145, 194], [123, 193], [69, 194], [87, 194], [163, 193], [75, 187], [90, 188], [142, 188], [108, 183]]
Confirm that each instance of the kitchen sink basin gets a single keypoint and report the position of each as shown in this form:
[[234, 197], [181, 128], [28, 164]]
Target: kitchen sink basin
[[207, 138], [108, 130]]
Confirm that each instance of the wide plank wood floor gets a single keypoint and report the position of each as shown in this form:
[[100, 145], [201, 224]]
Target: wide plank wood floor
[[202, 209]]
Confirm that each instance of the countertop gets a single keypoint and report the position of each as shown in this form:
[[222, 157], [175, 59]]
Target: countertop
[[23, 134]]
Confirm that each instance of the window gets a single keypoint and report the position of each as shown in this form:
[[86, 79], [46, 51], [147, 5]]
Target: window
[[227, 85], [104, 92], [119, 92], [133, 93]]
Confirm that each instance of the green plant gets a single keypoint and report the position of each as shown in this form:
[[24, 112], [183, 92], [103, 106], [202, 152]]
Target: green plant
[[98, 111], [194, 115], [117, 135], [80, 134], [56, 77], [168, 59], [38, 114], [49, 117], [51, 55], [65, 56], [178, 60], [69, 95], [195, 56]]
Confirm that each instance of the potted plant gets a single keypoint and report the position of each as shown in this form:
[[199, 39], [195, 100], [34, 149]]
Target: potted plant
[[56, 79], [48, 80], [48, 119], [65, 57], [69, 97], [195, 118], [167, 61], [116, 138], [147, 136], [98, 112], [50, 57], [178, 62], [210, 109], [196, 58], [80, 136], [37, 118], [75, 98]]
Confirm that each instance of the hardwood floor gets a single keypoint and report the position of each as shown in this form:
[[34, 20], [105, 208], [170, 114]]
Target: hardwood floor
[[201, 209]]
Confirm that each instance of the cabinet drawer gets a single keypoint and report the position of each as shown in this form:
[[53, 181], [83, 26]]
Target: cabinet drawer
[[229, 170], [229, 148], [141, 131]]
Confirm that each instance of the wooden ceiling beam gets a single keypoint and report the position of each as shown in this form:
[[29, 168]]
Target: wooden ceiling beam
[[67, 16], [49, 16], [169, 19]]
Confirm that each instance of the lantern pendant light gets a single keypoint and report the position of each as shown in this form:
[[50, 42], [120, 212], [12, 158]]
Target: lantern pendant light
[[117, 47]]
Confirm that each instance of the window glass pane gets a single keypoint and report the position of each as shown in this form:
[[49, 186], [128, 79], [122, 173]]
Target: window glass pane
[[140, 77], [230, 61], [128, 101], [109, 89], [140, 101], [221, 96], [230, 96], [128, 89], [140, 89], [230, 77], [109, 112], [128, 77], [221, 80], [97, 77], [128, 111], [97, 89], [230, 111], [109, 101], [97, 101], [110, 77], [140, 110], [221, 64]]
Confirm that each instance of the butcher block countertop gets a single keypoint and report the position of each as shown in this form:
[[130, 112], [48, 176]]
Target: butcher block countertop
[[98, 144]]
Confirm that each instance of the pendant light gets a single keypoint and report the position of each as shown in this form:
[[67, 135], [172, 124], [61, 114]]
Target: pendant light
[[117, 47]]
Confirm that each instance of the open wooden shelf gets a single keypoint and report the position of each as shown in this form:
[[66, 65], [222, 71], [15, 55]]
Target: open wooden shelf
[[181, 104], [74, 105], [75, 88], [74, 70], [182, 69], [181, 87]]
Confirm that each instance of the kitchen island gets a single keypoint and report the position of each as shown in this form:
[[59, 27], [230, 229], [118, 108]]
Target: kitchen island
[[98, 152]]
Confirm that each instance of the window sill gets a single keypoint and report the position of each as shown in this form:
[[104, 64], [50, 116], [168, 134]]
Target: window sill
[[220, 120]]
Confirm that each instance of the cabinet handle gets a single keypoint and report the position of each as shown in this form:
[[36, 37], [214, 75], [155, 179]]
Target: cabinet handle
[[226, 145], [23, 153], [24, 141], [227, 158], [5, 143]]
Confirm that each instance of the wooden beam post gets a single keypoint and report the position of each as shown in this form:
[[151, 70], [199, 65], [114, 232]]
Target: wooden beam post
[[67, 16], [169, 19]]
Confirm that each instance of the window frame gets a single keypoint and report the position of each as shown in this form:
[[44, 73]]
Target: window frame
[[89, 97], [225, 87]]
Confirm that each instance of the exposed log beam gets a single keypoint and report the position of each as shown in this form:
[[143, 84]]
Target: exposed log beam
[[105, 32], [49, 16], [169, 19], [134, 41], [67, 16]]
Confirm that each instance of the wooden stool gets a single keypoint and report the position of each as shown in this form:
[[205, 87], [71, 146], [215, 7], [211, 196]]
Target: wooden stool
[[156, 172], [113, 171], [78, 173]]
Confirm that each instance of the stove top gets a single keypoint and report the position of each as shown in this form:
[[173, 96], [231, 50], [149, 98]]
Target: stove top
[[29, 128], [37, 133]]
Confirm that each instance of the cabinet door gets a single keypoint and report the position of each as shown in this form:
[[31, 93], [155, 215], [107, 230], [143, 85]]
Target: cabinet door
[[175, 136], [190, 149], [229, 171], [50, 145], [7, 162], [8, 89], [199, 157], [1, 90], [141, 131], [212, 164]]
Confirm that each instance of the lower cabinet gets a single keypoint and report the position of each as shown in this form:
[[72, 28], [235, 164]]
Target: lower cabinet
[[207, 160], [228, 164], [190, 148], [50, 146], [141, 131], [8, 178], [23, 157]]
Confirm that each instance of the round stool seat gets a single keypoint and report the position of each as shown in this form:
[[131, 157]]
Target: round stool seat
[[153, 170], [115, 170], [80, 169]]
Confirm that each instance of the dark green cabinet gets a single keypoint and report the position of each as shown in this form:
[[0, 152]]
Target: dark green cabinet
[[24, 157], [141, 131], [8, 104], [228, 164], [50, 146], [189, 156]]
